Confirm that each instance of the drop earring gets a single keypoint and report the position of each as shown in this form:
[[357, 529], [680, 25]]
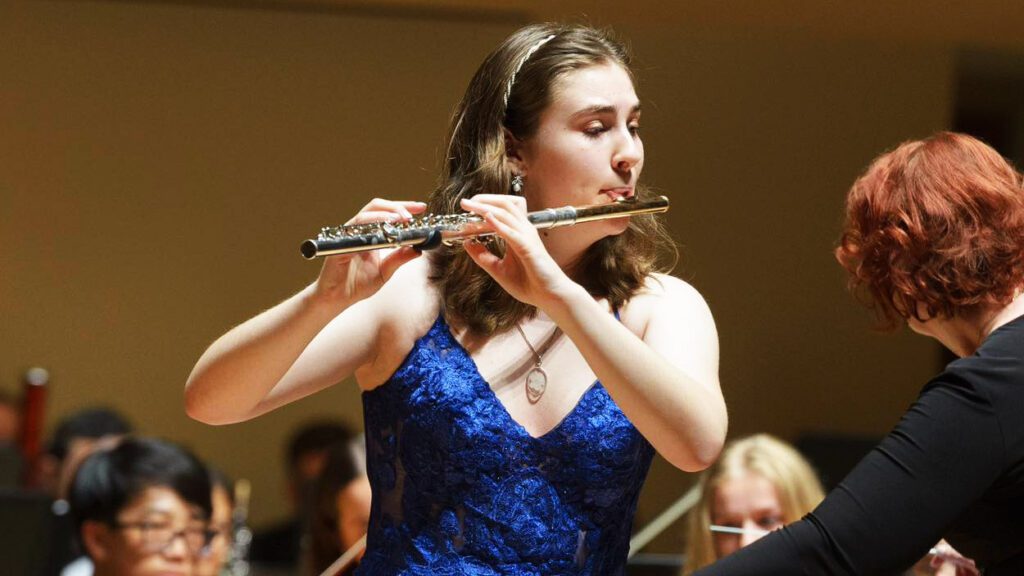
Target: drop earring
[[517, 184]]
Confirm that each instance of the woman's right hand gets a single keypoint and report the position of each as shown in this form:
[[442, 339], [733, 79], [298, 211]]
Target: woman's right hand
[[349, 278], [943, 560]]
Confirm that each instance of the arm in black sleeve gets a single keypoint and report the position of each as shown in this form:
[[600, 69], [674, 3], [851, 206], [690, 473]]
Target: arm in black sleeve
[[897, 502]]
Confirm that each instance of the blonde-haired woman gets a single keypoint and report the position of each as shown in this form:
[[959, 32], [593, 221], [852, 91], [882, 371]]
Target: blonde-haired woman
[[757, 485]]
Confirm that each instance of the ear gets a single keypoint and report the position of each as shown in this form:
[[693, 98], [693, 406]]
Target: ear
[[97, 539], [514, 153]]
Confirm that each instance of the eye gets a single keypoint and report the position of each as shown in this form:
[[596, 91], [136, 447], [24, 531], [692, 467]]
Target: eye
[[154, 525], [769, 522], [595, 129], [634, 128]]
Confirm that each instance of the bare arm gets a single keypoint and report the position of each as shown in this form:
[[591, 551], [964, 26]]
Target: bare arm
[[666, 382], [292, 350]]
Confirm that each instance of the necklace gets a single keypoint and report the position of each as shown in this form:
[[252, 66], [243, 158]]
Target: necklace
[[536, 378]]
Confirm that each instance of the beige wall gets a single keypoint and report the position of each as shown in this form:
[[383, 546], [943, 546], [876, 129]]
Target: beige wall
[[160, 163], [159, 166]]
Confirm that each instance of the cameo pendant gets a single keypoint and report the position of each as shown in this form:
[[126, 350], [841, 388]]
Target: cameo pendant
[[536, 383]]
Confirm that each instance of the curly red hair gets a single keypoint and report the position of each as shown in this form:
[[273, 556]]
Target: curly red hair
[[935, 228]]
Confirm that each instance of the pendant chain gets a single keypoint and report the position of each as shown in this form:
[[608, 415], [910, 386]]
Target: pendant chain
[[536, 379], [536, 356]]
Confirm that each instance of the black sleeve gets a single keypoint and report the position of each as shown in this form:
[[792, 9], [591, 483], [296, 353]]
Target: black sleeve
[[898, 501]]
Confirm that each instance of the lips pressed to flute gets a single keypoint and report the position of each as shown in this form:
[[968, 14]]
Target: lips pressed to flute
[[432, 230]]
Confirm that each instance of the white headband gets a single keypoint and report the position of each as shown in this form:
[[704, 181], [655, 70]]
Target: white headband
[[512, 78]]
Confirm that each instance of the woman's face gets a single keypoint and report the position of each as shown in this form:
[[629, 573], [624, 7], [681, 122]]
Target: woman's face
[[749, 503], [587, 148]]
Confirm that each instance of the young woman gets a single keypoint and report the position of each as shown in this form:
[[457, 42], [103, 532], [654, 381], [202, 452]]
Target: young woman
[[935, 233], [514, 392], [759, 484]]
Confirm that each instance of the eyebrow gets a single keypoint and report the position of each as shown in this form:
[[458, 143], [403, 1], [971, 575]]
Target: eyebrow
[[601, 109], [194, 513]]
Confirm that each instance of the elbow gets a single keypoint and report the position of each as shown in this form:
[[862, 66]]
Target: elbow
[[701, 450], [199, 409], [708, 452], [696, 458], [196, 409]]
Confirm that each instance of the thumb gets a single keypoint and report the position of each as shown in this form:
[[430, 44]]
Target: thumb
[[481, 255], [390, 263]]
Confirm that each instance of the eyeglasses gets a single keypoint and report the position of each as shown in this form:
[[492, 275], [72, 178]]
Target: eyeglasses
[[158, 536]]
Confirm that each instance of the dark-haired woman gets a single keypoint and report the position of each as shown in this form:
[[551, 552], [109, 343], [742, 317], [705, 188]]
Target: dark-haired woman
[[515, 392], [935, 235]]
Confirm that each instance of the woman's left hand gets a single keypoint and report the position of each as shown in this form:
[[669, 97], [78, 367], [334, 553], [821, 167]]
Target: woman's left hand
[[527, 271]]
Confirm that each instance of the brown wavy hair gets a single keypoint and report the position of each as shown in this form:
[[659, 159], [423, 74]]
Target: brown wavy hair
[[477, 162], [935, 228]]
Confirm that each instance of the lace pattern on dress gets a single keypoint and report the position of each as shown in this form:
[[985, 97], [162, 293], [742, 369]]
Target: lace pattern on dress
[[459, 487]]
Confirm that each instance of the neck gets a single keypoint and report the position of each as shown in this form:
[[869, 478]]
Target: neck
[[565, 248], [1004, 315], [965, 335]]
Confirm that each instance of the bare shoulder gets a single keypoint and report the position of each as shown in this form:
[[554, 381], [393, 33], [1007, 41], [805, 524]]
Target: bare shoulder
[[665, 296], [671, 317], [406, 293], [405, 308]]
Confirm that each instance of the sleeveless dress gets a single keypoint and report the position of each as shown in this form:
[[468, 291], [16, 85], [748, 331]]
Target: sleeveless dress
[[460, 488]]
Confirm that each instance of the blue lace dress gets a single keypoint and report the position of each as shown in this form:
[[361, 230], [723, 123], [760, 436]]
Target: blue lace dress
[[460, 488]]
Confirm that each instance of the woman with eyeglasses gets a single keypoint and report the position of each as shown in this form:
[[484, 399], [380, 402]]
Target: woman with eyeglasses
[[757, 485]]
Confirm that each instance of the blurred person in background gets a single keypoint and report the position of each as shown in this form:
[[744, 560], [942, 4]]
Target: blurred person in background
[[11, 461], [214, 559], [143, 508], [10, 418], [76, 436], [342, 511], [758, 484], [281, 545]]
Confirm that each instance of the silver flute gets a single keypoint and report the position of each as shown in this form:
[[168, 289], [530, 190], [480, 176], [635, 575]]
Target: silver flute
[[432, 230]]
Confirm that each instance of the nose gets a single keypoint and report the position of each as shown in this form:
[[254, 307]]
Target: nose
[[177, 547], [629, 151]]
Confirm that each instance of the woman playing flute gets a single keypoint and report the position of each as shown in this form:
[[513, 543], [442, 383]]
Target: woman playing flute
[[514, 393]]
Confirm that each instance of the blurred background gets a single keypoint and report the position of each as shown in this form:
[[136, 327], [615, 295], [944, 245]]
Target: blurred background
[[161, 161]]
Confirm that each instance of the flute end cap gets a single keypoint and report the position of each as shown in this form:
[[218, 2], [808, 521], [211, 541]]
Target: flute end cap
[[308, 249]]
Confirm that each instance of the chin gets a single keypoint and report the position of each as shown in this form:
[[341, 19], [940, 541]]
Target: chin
[[618, 225]]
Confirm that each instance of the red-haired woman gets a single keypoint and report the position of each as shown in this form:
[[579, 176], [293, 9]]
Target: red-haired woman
[[935, 236]]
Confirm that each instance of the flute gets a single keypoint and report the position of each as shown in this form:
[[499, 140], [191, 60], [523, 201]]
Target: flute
[[432, 230]]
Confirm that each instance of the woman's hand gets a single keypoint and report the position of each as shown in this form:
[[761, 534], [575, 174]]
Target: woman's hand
[[943, 560], [527, 271], [349, 278]]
